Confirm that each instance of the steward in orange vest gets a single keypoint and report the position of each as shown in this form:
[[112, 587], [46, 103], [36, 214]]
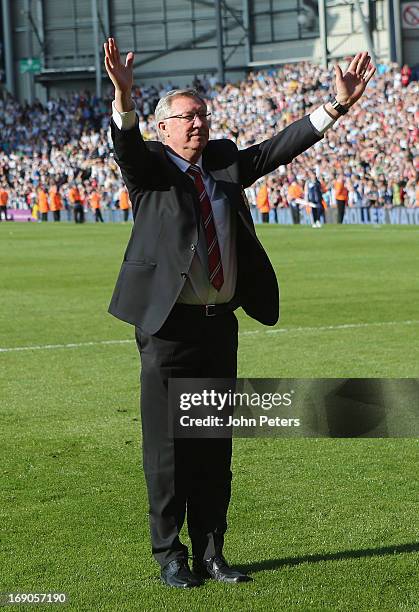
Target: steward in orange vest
[[43, 204], [262, 201], [95, 205], [4, 198], [76, 201], [341, 196], [55, 203], [124, 203], [295, 193]]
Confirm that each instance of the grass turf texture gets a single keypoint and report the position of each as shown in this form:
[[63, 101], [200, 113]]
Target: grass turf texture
[[321, 524]]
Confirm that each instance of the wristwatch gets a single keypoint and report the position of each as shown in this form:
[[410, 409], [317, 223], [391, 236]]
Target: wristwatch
[[342, 110]]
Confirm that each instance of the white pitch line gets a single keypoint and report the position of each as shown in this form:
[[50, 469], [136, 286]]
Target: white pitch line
[[44, 347], [342, 326], [282, 330]]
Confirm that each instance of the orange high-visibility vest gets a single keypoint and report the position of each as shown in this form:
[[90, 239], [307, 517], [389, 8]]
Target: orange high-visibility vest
[[4, 197], [341, 193], [124, 200], [42, 201], [55, 200], [58, 201], [262, 199], [295, 191], [95, 200], [74, 195]]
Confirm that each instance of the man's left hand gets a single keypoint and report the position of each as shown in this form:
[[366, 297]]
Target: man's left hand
[[351, 85]]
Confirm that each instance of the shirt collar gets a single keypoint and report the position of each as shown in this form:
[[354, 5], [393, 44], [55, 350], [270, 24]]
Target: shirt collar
[[182, 164]]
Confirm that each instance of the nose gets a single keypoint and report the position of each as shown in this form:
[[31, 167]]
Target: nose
[[198, 121]]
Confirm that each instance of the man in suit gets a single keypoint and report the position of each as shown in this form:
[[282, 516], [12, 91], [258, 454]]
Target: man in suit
[[192, 259]]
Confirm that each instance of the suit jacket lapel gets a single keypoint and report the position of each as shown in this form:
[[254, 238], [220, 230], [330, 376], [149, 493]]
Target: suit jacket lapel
[[185, 189]]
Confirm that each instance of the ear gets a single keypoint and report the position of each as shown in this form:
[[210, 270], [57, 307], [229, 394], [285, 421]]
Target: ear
[[162, 126]]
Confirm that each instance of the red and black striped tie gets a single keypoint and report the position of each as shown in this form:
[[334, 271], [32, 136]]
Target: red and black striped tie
[[215, 266]]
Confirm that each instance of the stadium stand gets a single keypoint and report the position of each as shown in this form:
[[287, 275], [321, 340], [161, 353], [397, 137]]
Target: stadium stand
[[65, 143]]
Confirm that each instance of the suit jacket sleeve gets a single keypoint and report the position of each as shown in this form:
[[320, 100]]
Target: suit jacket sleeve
[[134, 160], [263, 158]]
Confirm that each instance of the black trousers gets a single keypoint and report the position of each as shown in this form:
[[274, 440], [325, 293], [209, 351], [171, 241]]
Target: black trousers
[[98, 215], [56, 215], [316, 214], [295, 212], [190, 476], [78, 213], [341, 210]]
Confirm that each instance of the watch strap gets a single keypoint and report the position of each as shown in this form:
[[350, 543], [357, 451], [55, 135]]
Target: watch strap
[[342, 110]]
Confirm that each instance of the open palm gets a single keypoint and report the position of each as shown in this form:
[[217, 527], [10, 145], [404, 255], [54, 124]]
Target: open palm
[[120, 74], [351, 85]]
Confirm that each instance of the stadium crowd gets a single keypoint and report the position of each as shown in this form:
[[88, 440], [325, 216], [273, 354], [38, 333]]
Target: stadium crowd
[[57, 156]]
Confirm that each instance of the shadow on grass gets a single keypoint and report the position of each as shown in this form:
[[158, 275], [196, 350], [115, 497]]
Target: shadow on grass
[[270, 564]]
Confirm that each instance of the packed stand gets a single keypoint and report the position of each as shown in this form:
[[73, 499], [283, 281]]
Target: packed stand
[[57, 157]]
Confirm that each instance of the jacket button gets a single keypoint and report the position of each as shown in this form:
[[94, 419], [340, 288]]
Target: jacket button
[[192, 247], [183, 274]]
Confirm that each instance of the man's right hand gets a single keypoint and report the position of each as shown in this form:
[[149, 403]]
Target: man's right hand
[[120, 74]]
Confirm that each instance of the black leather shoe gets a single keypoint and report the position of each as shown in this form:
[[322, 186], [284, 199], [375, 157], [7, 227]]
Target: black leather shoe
[[177, 574], [199, 569], [218, 568]]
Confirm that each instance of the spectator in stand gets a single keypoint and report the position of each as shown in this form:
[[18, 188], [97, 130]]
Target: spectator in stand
[[371, 193], [65, 139], [412, 192], [406, 73], [43, 203], [355, 193], [397, 195], [381, 190], [388, 195], [4, 198], [274, 197], [365, 208], [325, 193], [251, 197], [403, 191], [341, 196]]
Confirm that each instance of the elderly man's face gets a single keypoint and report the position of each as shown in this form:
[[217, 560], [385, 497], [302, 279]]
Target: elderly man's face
[[186, 137]]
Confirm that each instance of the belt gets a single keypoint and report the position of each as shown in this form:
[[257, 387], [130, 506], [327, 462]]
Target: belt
[[206, 310]]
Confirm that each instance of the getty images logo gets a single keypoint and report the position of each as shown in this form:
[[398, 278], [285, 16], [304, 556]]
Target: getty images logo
[[219, 401]]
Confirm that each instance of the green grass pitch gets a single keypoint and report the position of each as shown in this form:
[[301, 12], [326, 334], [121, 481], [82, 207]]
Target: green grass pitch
[[322, 525]]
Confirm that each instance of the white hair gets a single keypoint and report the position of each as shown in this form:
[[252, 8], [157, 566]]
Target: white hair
[[164, 105]]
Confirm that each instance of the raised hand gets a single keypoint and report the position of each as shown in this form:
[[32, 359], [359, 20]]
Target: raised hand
[[351, 85], [120, 74]]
